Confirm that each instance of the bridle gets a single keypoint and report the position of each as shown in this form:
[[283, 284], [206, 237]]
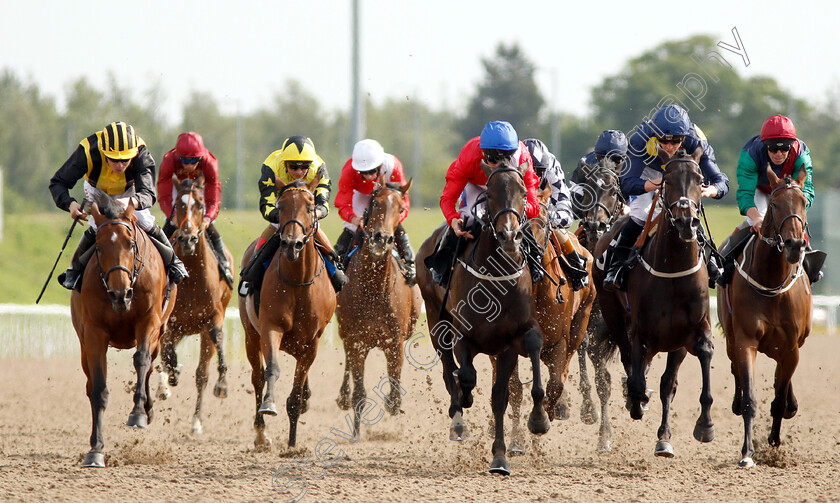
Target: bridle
[[308, 231], [612, 214], [683, 202], [386, 239], [776, 240], [137, 264], [491, 222], [186, 219]]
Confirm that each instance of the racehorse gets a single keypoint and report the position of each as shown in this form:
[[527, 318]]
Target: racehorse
[[488, 309], [297, 302], [202, 299], [602, 203], [376, 308], [767, 308], [667, 301], [563, 315], [123, 303]]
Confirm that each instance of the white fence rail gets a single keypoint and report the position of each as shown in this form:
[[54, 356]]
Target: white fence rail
[[30, 331]]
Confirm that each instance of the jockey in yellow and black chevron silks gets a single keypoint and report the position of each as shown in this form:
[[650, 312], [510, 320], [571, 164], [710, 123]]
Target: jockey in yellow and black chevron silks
[[274, 172]]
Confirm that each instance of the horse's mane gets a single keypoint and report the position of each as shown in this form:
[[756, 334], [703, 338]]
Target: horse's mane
[[108, 206]]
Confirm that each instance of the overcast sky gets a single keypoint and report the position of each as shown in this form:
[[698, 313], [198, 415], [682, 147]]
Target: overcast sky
[[243, 52]]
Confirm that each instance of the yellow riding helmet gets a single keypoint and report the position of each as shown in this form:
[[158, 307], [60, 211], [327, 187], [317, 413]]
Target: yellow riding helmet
[[119, 141], [298, 148]]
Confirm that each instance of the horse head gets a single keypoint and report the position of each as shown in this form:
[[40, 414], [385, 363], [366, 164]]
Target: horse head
[[189, 212], [601, 202], [298, 222], [680, 195], [382, 217], [786, 222], [116, 249], [506, 197]]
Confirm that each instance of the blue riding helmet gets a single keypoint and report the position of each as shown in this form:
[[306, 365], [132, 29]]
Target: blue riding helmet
[[611, 142], [499, 135], [671, 120]]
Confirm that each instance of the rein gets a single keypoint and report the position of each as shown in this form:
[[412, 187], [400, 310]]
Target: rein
[[137, 263], [787, 283]]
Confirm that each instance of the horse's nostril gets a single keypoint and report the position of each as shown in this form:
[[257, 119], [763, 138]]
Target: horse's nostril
[[390, 239], [129, 294], [299, 245], [518, 236], [284, 243], [695, 222]]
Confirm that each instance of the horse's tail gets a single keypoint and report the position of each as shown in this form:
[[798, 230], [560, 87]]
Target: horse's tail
[[601, 343]]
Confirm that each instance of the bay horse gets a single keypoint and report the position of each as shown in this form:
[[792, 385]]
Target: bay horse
[[297, 302], [601, 205], [666, 307], [376, 308], [488, 309], [124, 304], [767, 308], [563, 315], [202, 300]]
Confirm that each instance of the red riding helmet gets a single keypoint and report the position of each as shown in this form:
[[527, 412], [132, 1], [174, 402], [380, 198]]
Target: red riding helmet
[[189, 145], [778, 126]]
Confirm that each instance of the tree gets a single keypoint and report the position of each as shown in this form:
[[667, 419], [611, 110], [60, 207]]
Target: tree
[[508, 92]]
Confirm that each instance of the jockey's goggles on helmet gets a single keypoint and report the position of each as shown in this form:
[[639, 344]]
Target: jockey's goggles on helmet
[[297, 165], [778, 144], [493, 156], [374, 171], [119, 161], [671, 139], [189, 160]]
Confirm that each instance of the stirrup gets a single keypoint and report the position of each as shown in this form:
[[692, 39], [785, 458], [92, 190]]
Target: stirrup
[[338, 280], [69, 279]]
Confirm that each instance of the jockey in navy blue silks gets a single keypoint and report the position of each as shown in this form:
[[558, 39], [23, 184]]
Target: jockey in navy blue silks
[[559, 208], [610, 153], [652, 144]]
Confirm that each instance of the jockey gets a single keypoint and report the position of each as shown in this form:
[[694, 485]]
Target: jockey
[[116, 161], [610, 153], [559, 206], [498, 142], [652, 145], [358, 179], [295, 161], [188, 159], [778, 147]]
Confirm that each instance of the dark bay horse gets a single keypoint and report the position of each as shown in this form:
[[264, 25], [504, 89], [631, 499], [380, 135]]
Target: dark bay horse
[[563, 324], [123, 304], [767, 308], [297, 302], [667, 301], [202, 299], [376, 308], [601, 204], [489, 309]]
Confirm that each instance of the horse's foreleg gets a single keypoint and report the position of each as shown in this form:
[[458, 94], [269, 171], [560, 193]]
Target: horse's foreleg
[[343, 399], [295, 400], [556, 404], [704, 429], [588, 412], [143, 366], [201, 376], [744, 404], [603, 385], [217, 336], [667, 390], [95, 366], [538, 422], [270, 344], [358, 355], [169, 358], [394, 360], [778, 408], [517, 440], [506, 363], [458, 428], [636, 379]]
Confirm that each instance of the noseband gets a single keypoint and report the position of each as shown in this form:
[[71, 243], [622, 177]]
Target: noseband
[[186, 219], [308, 231], [683, 202], [137, 264], [520, 216], [369, 210]]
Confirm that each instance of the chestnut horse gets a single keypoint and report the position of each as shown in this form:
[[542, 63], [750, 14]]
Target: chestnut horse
[[767, 308], [297, 302], [124, 304], [667, 301], [202, 299], [488, 309], [563, 323], [376, 308]]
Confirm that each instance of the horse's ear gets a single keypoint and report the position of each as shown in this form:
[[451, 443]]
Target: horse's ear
[[404, 189], [803, 175], [697, 154], [129, 210], [176, 183], [199, 181], [774, 180], [544, 195], [486, 169], [314, 184], [98, 218], [278, 183]]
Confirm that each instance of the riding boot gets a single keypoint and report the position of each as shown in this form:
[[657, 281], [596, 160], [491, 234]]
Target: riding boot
[[337, 276], [251, 275], [174, 267], [813, 263], [342, 244], [730, 250], [407, 254], [71, 278], [535, 255], [615, 276], [576, 270], [169, 229], [440, 262], [219, 249]]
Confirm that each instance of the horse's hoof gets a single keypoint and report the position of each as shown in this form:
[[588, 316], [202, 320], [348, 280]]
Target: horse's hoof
[[467, 400], [663, 449], [150, 414], [164, 394], [704, 433], [538, 425], [173, 379], [500, 466], [789, 413], [458, 433], [94, 460], [220, 390], [589, 414], [343, 402], [262, 446], [268, 408], [517, 447], [196, 429], [636, 410], [304, 407], [561, 412], [747, 462], [604, 446], [137, 421]]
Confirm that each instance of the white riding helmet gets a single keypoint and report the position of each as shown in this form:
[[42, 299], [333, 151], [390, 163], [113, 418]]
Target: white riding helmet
[[367, 155]]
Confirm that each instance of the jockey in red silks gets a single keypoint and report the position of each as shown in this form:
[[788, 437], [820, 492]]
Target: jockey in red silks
[[465, 182], [359, 176], [189, 159]]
